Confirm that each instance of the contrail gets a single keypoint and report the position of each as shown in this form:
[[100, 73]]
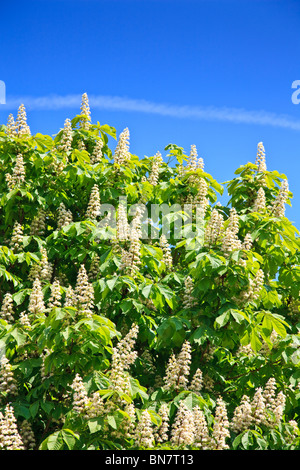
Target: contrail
[[118, 103]]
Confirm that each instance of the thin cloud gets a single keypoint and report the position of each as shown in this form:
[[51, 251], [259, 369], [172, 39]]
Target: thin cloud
[[117, 103]]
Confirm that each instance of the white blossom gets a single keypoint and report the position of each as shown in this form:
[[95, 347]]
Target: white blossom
[[21, 122], [261, 158], [94, 206], [121, 154], [7, 310], [220, 430], [154, 175], [85, 110], [10, 438], [65, 144], [183, 428], [260, 201], [64, 216], [278, 205], [144, 431], [36, 299]]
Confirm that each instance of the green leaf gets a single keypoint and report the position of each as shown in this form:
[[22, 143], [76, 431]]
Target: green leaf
[[109, 130], [69, 437], [221, 320], [146, 291], [19, 336], [95, 424], [255, 341], [112, 421], [112, 282], [34, 408], [136, 390]]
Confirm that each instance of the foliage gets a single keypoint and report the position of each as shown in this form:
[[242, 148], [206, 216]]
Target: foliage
[[156, 341]]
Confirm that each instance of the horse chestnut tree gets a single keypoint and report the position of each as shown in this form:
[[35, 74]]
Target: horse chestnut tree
[[136, 310]]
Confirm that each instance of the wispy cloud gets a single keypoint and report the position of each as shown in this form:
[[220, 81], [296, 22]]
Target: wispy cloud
[[117, 103]]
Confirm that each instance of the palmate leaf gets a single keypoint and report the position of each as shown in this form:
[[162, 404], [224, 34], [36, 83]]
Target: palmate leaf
[[276, 322], [172, 332], [64, 439], [9, 276]]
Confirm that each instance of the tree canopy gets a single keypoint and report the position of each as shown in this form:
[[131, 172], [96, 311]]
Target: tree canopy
[[137, 310]]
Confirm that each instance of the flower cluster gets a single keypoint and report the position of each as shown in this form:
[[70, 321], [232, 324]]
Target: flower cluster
[[178, 371], [220, 427], [36, 299], [121, 154], [97, 153], [266, 407], [94, 268], [43, 269], [261, 158], [253, 290], [10, 438], [7, 310], [38, 225], [88, 407], [200, 200], [69, 300], [85, 111], [260, 201], [11, 126], [190, 428], [21, 122], [131, 259], [17, 179], [188, 300], [93, 209], [202, 438], [84, 292], [122, 223], [8, 383], [161, 433], [230, 241], [154, 175], [194, 163], [167, 253], [197, 381], [278, 206], [80, 396], [16, 240], [144, 436], [193, 158], [24, 320], [19, 127], [64, 216], [214, 227], [27, 435], [247, 243], [55, 296], [183, 429], [123, 357], [65, 145]]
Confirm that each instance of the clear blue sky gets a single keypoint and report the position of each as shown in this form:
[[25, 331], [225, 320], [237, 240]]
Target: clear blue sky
[[214, 73]]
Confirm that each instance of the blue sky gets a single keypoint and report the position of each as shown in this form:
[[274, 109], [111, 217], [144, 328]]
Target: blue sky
[[214, 73]]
